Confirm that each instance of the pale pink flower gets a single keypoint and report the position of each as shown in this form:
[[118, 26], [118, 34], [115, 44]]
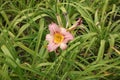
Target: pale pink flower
[[58, 37]]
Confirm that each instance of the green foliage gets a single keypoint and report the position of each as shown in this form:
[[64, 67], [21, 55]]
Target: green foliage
[[94, 54]]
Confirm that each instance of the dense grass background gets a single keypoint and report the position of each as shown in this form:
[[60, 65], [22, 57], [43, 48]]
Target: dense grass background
[[94, 54]]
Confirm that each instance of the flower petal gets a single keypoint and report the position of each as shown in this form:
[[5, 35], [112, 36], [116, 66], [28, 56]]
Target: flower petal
[[67, 38], [53, 28], [67, 35], [49, 37], [63, 30], [52, 46], [63, 46]]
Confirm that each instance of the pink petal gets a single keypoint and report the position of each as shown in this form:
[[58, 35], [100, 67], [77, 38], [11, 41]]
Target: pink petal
[[63, 30], [52, 46], [49, 37], [53, 28], [63, 46], [67, 35], [67, 38]]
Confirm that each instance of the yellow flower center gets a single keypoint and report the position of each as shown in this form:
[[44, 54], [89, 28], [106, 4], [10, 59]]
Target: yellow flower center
[[58, 38]]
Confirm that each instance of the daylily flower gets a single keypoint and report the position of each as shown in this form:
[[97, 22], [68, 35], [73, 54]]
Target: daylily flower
[[58, 37]]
